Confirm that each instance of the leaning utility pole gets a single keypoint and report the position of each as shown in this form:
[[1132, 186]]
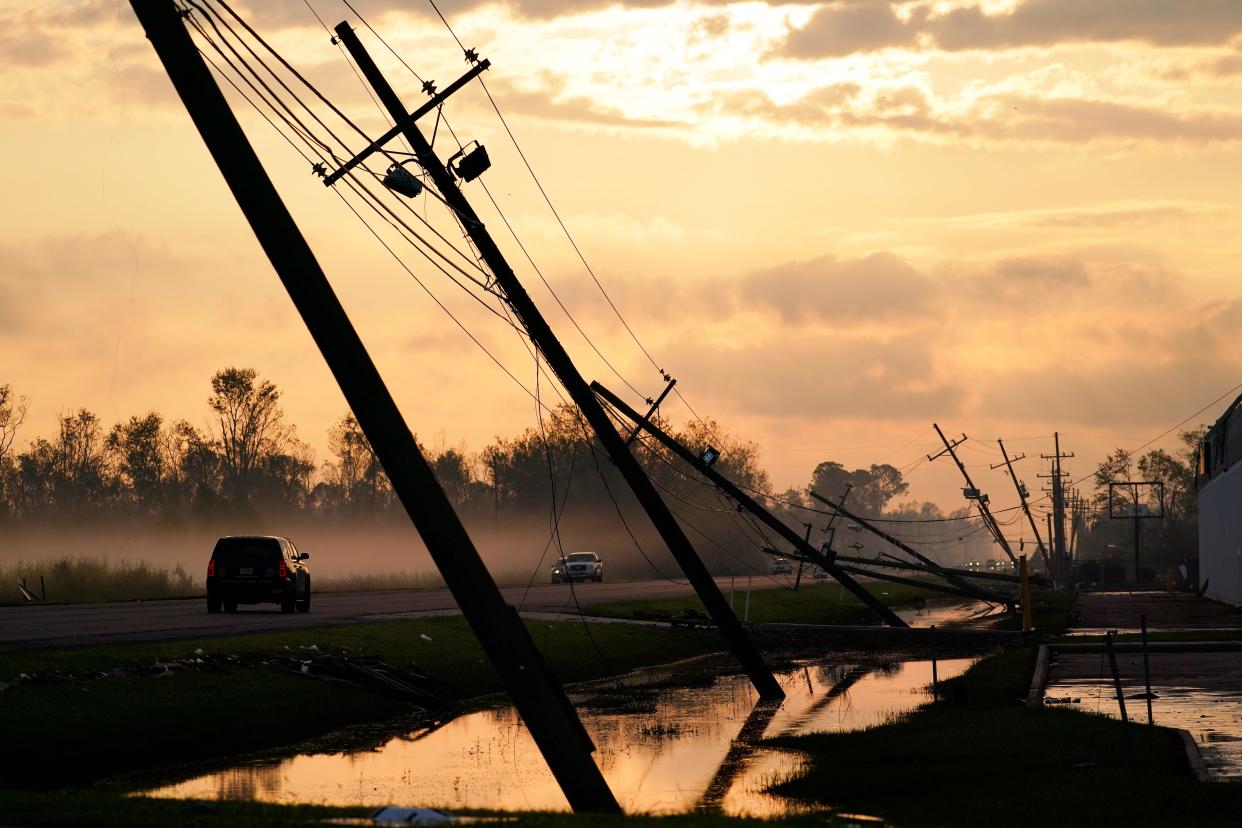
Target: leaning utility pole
[[1023, 494], [539, 699], [747, 502], [972, 492], [561, 364]]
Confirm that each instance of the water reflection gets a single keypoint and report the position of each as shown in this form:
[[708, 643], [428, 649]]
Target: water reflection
[[662, 750]]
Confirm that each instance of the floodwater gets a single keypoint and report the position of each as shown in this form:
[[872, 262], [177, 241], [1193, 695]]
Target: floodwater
[[951, 613], [661, 749], [1197, 692]]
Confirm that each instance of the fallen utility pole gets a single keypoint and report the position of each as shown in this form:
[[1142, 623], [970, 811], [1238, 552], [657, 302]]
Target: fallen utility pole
[[747, 502], [972, 493], [897, 542], [561, 364], [913, 567], [1023, 494], [540, 700], [967, 591]]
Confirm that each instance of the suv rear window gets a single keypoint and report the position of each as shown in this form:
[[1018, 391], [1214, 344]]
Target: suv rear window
[[235, 552]]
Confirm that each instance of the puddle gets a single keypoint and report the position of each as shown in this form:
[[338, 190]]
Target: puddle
[[953, 613], [1192, 697], [676, 750]]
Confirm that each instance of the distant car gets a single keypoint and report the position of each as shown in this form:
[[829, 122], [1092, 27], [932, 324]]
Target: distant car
[[780, 566], [257, 569], [819, 574], [580, 566]]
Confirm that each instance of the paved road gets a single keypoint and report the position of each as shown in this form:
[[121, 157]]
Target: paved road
[[72, 625]]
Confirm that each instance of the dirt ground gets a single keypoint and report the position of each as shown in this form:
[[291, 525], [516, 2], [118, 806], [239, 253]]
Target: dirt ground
[[1100, 611]]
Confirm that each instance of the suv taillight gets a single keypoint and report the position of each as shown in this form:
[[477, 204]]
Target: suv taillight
[[211, 569], [282, 571]]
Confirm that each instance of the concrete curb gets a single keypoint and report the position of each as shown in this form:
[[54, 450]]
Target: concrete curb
[[1197, 765], [1154, 647], [1039, 681]]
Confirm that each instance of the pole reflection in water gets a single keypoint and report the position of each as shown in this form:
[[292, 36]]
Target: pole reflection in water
[[662, 750]]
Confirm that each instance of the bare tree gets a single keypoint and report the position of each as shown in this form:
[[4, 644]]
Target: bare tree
[[356, 478], [12, 415]]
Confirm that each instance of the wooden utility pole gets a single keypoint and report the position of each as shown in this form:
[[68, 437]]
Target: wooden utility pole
[[972, 493], [1058, 502], [801, 563], [561, 364], [1026, 508], [748, 503], [540, 700]]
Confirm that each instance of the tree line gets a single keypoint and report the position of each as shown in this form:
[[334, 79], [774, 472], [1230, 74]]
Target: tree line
[[248, 458]]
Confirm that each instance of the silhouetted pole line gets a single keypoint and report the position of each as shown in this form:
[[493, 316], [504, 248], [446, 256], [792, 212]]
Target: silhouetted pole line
[[897, 542], [980, 499], [968, 591], [1026, 509], [561, 364], [913, 567], [1058, 501], [745, 501], [540, 700]]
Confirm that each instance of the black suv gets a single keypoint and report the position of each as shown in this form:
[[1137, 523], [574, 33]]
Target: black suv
[[257, 570]]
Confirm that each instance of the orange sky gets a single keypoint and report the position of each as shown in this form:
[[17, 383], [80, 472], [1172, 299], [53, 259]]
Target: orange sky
[[833, 222]]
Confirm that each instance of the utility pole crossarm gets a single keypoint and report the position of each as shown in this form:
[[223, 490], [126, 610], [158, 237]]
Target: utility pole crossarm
[[575, 385], [747, 502], [655, 406], [436, 100]]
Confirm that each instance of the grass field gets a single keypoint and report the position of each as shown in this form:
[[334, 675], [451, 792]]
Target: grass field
[[87, 579], [814, 603]]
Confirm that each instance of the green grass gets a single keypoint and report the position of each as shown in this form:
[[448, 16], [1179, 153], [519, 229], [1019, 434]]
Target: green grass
[[1051, 612], [814, 603], [78, 731], [981, 757]]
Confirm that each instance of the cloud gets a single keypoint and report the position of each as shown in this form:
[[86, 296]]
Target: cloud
[[853, 26], [552, 103], [821, 376], [844, 28], [877, 287], [1154, 370]]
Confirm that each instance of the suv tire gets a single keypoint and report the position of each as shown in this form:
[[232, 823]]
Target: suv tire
[[213, 603], [288, 602], [304, 604]]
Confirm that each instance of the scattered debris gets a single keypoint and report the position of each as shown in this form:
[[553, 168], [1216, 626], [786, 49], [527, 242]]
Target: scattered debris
[[358, 671], [412, 816]]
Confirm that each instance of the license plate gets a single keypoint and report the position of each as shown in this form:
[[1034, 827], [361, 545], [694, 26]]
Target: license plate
[[246, 570]]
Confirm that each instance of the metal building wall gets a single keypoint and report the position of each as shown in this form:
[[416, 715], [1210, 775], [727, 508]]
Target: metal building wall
[[1220, 535]]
